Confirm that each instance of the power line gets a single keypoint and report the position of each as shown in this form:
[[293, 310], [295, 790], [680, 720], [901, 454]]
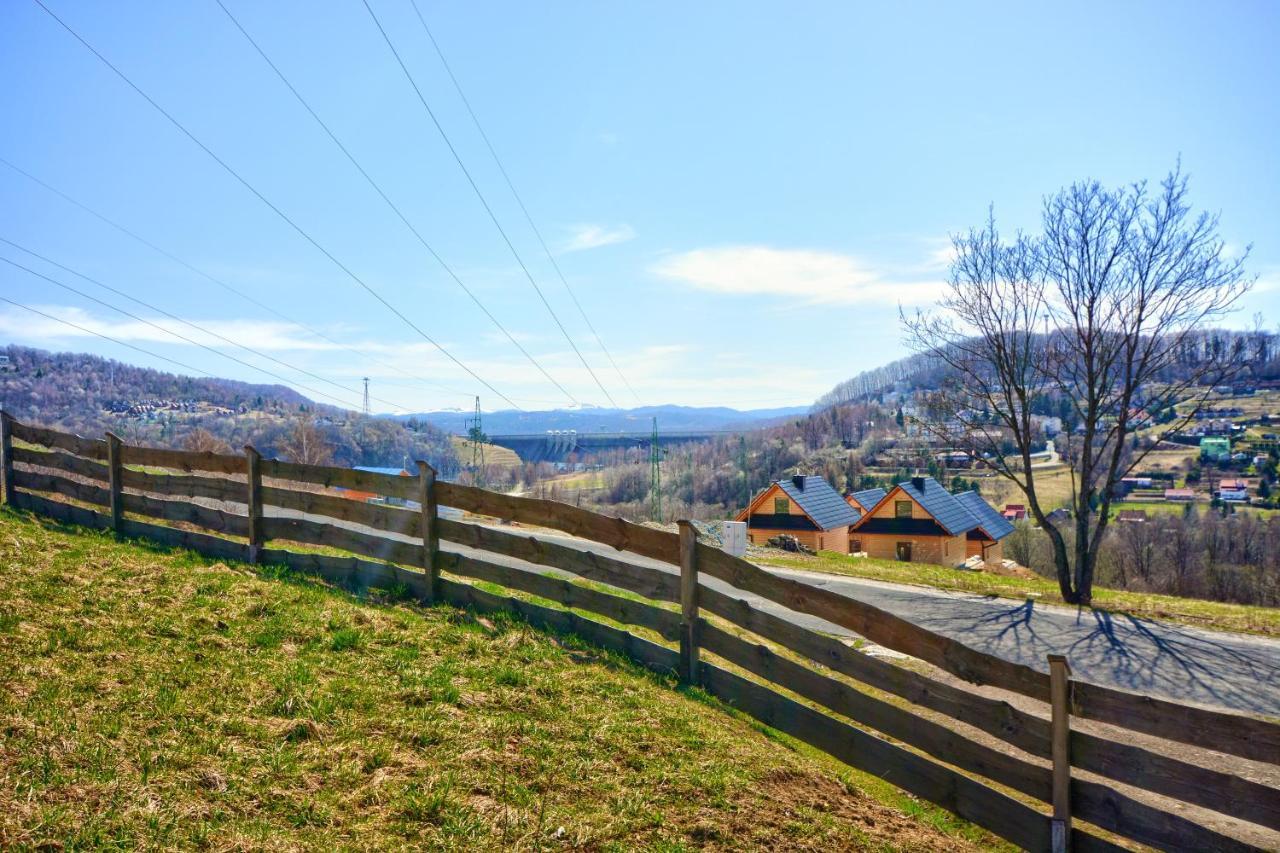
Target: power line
[[188, 323], [280, 213], [204, 274], [520, 201], [484, 202], [378, 189], [107, 337], [182, 337]]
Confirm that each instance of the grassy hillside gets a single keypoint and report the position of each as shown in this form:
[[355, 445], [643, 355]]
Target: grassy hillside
[[162, 700]]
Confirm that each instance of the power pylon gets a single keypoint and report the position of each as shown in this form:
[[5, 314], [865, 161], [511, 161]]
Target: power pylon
[[655, 474], [476, 438], [366, 395], [742, 464]]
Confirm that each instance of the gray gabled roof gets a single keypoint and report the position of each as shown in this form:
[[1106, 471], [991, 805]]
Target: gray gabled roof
[[820, 502], [941, 504], [996, 525], [867, 498]]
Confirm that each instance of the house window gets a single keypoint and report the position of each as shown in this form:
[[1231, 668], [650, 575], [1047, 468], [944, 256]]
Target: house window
[[781, 506], [902, 509], [856, 546]]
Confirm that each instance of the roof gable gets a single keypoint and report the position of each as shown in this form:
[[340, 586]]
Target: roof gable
[[868, 498], [819, 501], [989, 519], [937, 502]]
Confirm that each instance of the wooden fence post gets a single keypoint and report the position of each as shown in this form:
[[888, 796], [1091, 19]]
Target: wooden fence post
[[6, 448], [688, 602], [1060, 723], [115, 478], [430, 530], [253, 477]]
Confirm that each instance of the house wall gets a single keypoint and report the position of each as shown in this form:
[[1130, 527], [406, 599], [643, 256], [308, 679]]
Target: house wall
[[973, 548], [836, 539], [940, 550]]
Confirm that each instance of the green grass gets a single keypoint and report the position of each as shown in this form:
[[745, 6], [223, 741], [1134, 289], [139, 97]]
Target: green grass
[[163, 700], [1191, 611]]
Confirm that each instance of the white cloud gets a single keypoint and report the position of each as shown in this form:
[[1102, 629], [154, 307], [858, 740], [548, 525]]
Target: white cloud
[[594, 236], [805, 275], [17, 323]]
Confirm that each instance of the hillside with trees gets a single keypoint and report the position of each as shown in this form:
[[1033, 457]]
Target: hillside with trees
[[89, 395]]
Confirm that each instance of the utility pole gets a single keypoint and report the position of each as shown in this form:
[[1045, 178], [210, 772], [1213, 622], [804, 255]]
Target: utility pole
[[655, 473], [366, 395], [476, 438]]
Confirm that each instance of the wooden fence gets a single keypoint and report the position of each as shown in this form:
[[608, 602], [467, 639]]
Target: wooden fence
[[1024, 790]]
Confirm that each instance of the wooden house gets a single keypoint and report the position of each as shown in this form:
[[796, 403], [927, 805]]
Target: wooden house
[[807, 508], [367, 497], [920, 521]]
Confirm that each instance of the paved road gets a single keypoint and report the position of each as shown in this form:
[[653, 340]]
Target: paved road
[[1163, 659]]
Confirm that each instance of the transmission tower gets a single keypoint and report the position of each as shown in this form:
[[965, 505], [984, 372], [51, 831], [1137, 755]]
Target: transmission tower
[[742, 464], [476, 438], [655, 474], [366, 395]]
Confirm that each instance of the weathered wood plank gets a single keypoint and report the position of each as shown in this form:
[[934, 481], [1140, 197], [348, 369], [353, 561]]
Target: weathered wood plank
[[53, 439], [1123, 762], [183, 460], [378, 516], [318, 533], [664, 622], [347, 478], [349, 572], [877, 625], [172, 537], [616, 532], [201, 516], [6, 455], [59, 511], [62, 486], [649, 582], [59, 461], [184, 485], [968, 798], [1223, 731], [648, 654], [939, 741], [1129, 818]]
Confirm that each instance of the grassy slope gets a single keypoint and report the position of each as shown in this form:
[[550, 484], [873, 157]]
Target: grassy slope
[[1192, 611], [165, 700], [494, 456]]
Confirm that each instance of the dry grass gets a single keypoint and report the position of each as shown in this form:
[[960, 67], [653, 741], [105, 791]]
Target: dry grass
[[163, 700], [494, 456]]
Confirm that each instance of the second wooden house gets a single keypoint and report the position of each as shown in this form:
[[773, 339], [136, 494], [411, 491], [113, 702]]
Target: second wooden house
[[920, 521]]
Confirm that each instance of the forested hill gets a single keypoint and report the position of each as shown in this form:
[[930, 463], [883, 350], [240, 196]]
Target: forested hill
[[1257, 352], [88, 395]]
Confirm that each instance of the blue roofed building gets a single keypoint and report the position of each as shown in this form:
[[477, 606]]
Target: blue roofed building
[[807, 508], [920, 521]]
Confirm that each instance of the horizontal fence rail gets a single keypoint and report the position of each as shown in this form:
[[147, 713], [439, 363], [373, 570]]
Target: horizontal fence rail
[[872, 714]]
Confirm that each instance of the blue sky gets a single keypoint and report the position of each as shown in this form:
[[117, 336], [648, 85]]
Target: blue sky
[[740, 194]]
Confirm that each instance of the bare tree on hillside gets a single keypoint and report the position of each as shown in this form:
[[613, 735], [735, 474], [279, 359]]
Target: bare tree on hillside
[[1095, 311], [305, 443], [200, 440]]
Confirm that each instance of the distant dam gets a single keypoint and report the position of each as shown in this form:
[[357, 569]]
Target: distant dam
[[558, 445]]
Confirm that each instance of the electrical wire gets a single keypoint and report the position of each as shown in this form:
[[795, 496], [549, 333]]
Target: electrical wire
[[206, 275], [519, 200], [280, 213], [395, 209], [484, 202]]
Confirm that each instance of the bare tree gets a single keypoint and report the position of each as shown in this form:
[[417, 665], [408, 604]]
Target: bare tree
[[306, 444], [1097, 312], [200, 440]]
